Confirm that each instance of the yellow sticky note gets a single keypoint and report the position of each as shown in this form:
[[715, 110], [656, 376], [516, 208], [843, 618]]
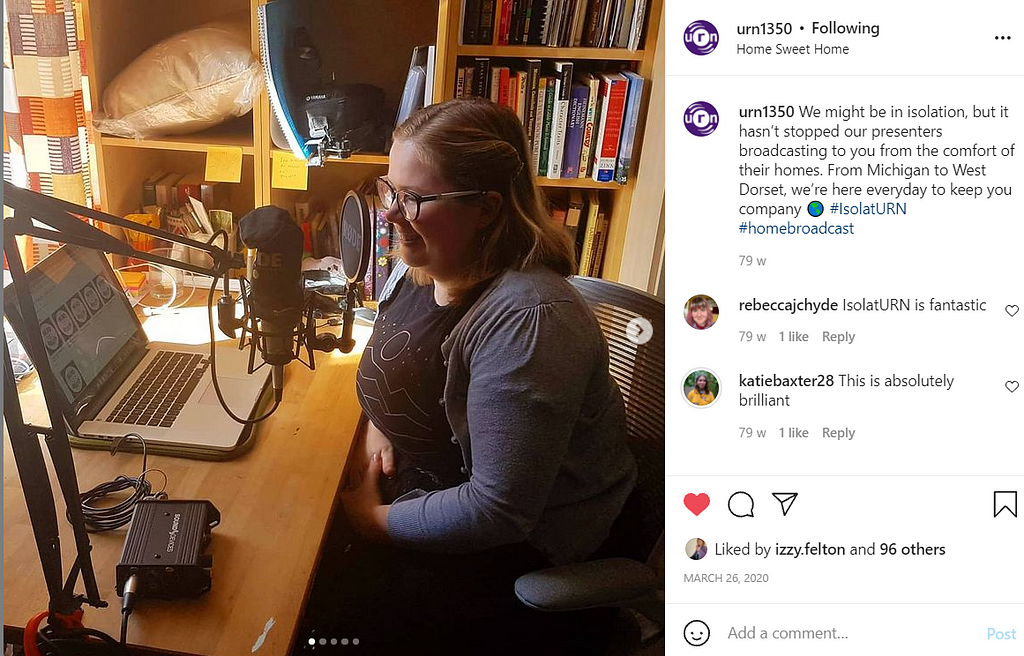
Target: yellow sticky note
[[289, 172], [224, 164]]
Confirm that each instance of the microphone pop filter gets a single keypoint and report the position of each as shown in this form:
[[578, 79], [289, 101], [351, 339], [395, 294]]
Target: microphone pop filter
[[356, 236]]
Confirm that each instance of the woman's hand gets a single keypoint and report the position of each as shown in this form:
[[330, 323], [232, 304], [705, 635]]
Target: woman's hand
[[363, 504], [370, 442]]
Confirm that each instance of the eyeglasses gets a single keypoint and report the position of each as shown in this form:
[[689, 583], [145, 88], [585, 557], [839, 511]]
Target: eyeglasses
[[409, 202]]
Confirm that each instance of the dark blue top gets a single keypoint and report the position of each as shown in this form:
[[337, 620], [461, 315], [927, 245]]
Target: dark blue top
[[400, 384]]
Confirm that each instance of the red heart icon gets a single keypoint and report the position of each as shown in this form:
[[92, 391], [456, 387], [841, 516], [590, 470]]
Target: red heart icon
[[697, 503]]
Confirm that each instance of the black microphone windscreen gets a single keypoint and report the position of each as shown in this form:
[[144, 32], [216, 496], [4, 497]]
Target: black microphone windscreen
[[270, 227], [277, 274], [356, 236]]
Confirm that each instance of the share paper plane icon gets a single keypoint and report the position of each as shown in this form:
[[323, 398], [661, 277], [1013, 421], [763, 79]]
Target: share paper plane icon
[[786, 500]]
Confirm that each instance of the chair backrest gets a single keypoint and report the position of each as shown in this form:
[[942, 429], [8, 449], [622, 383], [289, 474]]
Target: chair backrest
[[639, 370]]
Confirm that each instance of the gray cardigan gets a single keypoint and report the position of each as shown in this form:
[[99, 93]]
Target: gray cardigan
[[540, 422]]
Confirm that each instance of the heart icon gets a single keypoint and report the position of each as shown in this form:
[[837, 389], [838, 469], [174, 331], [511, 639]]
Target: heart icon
[[1012, 310], [1011, 385], [697, 503]]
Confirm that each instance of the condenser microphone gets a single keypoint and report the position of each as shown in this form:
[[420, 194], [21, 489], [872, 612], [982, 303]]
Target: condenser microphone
[[277, 298]]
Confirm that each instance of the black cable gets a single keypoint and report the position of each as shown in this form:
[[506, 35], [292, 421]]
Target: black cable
[[74, 642], [107, 518], [213, 363], [127, 606]]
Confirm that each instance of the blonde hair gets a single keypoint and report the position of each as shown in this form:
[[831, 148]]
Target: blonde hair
[[477, 144]]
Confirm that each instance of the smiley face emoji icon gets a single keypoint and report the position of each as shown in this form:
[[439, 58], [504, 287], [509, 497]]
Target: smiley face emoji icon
[[697, 633]]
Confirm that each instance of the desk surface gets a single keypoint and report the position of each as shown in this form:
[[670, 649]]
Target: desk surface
[[275, 503]]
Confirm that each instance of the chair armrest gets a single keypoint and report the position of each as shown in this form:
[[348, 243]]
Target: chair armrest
[[605, 582]]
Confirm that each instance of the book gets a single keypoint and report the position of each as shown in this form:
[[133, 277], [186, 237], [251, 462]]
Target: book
[[428, 87], [413, 93], [614, 23], [578, 20], [586, 252], [574, 212], [215, 195], [587, 148], [630, 118], [574, 130], [499, 85], [625, 23], [606, 150], [558, 210], [504, 22], [487, 12], [545, 137], [512, 92], [303, 208], [600, 239], [538, 21], [559, 118], [522, 95], [190, 186], [532, 87], [167, 190], [537, 130], [554, 23], [481, 77], [515, 27], [149, 188], [460, 82], [593, 17], [636, 27], [471, 21], [604, 23], [384, 233]]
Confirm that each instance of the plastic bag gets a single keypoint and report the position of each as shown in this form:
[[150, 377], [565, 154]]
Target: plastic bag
[[186, 83]]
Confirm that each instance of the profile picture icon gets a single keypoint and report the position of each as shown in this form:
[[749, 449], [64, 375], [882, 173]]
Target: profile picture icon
[[700, 37], [696, 549], [700, 119], [701, 312], [700, 387]]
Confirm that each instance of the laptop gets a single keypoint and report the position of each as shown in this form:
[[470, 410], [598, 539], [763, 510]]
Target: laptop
[[113, 380]]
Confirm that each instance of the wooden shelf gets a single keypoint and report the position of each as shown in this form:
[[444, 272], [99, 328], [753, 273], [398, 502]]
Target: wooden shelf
[[233, 133], [577, 183], [544, 52], [359, 158]]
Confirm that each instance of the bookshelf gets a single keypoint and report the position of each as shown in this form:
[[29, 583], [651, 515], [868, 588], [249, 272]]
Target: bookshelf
[[363, 41]]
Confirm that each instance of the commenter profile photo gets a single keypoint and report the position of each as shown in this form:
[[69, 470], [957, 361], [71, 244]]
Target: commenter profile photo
[[700, 388], [701, 312], [696, 549]]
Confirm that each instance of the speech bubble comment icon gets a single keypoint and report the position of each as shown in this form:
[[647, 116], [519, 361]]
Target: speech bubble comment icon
[[741, 504]]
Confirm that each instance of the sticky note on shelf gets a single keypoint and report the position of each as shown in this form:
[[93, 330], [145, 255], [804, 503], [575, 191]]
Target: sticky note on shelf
[[224, 164], [288, 172]]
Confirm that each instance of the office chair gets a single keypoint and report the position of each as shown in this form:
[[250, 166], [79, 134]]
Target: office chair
[[628, 571]]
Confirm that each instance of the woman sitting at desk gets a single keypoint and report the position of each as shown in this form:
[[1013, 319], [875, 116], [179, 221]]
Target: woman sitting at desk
[[495, 441]]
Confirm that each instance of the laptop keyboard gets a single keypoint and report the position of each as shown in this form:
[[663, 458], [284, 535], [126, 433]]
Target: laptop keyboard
[[159, 394]]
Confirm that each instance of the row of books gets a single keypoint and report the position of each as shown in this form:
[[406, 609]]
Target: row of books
[[586, 220], [184, 204], [557, 23], [580, 126]]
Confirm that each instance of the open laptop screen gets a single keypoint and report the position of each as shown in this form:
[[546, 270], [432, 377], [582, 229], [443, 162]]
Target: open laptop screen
[[88, 327]]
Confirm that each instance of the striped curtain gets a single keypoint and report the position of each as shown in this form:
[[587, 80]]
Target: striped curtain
[[47, 133]]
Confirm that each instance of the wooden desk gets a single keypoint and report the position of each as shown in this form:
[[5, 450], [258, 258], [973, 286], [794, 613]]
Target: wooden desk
[[275, 503]]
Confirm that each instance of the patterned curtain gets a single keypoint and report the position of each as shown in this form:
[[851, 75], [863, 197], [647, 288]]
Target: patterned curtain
[[47, 133]]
